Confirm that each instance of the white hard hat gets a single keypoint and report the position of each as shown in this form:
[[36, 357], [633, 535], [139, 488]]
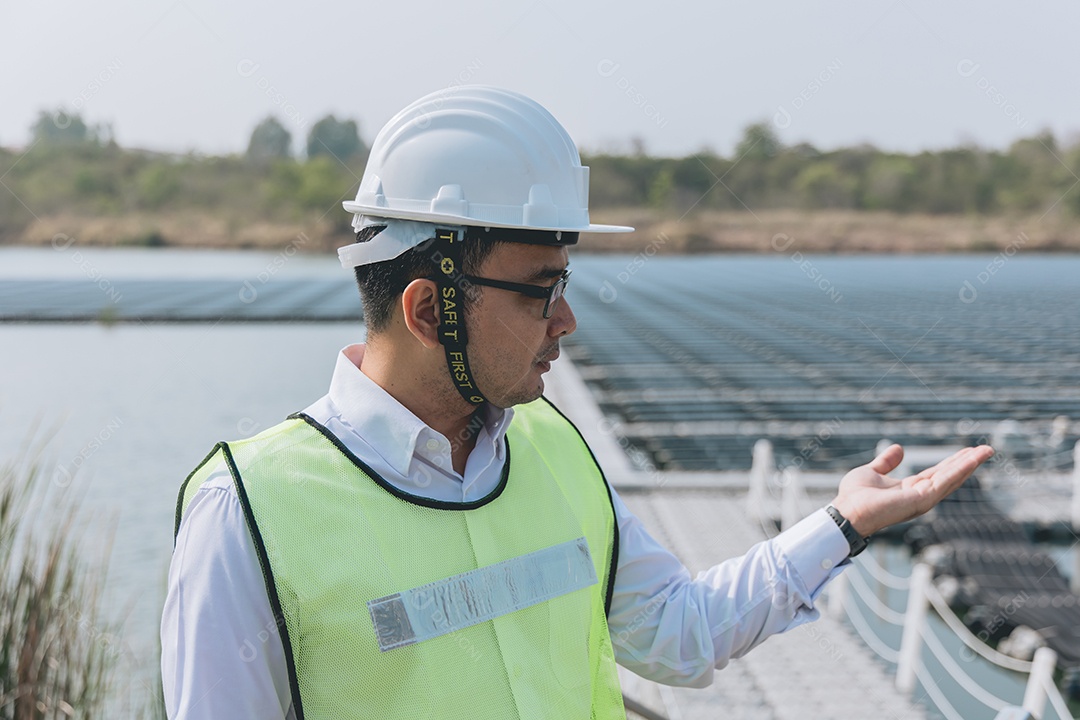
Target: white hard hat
[[477, 156]]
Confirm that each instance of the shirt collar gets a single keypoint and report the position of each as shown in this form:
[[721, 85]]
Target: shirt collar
[[389, 427]]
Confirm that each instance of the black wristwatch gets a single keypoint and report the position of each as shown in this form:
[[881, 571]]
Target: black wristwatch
[[856, 542]]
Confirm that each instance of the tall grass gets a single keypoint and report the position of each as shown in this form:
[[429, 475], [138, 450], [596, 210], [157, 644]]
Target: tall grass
[[56, 650]]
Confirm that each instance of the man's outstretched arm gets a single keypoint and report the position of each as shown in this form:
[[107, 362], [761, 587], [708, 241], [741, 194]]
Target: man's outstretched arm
[[676, 630]]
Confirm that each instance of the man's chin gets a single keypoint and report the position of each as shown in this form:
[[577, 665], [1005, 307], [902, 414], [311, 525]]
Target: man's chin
[[522, 397]]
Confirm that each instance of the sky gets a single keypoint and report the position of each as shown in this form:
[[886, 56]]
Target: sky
[[906, 75]]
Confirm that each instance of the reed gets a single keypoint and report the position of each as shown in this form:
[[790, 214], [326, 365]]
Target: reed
[[56, 650]]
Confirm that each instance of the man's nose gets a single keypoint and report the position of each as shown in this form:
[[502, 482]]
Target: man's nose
[[562, 322]]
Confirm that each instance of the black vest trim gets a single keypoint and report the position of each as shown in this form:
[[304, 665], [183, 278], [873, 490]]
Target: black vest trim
[[183, 489], [401, 494], [614, 561]]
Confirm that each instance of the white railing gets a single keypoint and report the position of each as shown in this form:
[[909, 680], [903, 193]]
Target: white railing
[[762, 472], [862, 627], [922, 596], [1074, 514], [1040, 685]]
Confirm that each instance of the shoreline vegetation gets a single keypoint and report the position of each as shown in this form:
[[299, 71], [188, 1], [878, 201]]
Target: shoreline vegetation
[[57, 656], [62, 651], [769, 231], [74, 184]]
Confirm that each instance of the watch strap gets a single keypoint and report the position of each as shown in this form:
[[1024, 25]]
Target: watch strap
[[856, 542]]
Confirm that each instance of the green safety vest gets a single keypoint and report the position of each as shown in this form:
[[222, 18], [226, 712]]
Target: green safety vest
[[391, 605]]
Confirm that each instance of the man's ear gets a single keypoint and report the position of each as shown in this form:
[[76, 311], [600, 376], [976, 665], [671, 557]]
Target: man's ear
[[420, 310]]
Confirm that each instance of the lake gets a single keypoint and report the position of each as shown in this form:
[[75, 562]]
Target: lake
[[130, 408]]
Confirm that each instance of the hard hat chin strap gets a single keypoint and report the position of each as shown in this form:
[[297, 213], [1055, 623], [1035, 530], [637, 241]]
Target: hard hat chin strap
[[446, 256]]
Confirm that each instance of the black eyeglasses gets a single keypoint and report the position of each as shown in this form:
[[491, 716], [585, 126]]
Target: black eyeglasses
[[550, 294]]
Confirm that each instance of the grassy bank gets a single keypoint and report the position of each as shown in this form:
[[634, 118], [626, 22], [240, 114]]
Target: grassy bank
[[837, 231], [766, 231]]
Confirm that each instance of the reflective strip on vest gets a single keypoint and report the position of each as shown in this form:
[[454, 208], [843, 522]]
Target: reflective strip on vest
[[489, 592]]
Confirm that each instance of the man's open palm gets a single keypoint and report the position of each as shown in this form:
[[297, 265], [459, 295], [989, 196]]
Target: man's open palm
[[872, 500]]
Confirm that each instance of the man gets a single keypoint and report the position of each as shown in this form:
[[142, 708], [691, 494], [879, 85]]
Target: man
[[434, 539]]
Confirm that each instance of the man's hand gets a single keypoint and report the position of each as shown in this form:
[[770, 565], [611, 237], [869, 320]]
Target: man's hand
[[872, 500]]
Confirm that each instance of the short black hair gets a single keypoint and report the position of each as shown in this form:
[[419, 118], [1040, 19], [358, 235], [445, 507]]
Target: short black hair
[[383, 282]]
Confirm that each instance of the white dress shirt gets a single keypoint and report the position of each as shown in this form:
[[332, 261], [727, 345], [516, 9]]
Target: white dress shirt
[[221, 655]]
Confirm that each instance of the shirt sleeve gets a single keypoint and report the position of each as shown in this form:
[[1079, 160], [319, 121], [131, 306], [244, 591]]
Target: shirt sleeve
[[675, 630], [221, 654]]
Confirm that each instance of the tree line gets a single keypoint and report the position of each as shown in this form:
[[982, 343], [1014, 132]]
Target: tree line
[[75, 169], [269, 140], [1034, 175]]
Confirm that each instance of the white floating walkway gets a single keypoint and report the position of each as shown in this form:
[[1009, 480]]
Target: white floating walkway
[[820, 670]]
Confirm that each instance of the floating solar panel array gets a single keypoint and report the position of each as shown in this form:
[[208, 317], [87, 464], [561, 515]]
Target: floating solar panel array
[[165, 300], [1002, 580], [696, 358]]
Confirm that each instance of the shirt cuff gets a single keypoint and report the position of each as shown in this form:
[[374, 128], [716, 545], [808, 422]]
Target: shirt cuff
[[814, 547]]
